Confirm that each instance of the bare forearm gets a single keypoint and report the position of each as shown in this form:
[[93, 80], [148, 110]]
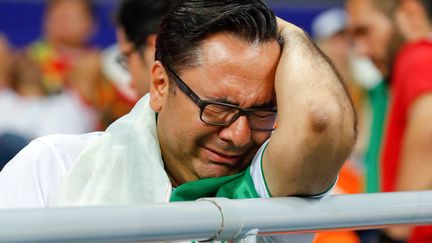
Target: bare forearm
[[415, 171]]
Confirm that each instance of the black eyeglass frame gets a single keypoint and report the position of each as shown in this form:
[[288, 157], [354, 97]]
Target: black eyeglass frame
[[123, 58], [203, 103]]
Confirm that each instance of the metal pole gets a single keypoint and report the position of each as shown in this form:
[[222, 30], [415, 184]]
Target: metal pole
[[302, 215], [220, 218], [149, 222]]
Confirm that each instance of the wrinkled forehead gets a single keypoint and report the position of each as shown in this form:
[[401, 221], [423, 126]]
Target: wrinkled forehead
[[226, 48], [235, 70]]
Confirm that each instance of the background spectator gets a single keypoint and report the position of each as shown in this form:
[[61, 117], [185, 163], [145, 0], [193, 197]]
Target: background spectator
[[380, 27], [33, 95], [375, 37], [68, 26], [5, 62], [407, 153], [113, 82], [329, 30]]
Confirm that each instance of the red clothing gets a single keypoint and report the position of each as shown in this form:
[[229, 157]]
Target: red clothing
[[421, 234], [411, 78]]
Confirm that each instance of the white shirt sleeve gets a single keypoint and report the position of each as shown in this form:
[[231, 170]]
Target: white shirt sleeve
[[261, 188], [257, 174], [258, 178], [22, 179], [32, 177]]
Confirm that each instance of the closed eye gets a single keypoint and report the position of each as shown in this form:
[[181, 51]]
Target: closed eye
[[263, 114]]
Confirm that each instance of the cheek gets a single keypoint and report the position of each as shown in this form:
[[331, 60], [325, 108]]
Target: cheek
[[148, 56], [260, 137], [143, 83], [185, 133], [139, 71], [341, 46], [182, 117], [383, 34]]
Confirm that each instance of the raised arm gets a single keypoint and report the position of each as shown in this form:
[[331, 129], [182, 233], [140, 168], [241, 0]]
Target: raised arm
[[316, 120]]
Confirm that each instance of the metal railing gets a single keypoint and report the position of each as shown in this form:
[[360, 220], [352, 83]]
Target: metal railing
[[215, 218]]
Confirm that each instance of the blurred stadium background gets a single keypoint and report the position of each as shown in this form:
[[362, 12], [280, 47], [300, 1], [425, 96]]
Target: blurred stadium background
[[20, 20]]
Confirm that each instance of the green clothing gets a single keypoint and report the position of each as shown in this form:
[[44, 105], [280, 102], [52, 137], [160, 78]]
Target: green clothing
[[233, 187], [378, 97]]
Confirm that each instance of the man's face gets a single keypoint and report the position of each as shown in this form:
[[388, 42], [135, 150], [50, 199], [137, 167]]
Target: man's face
[[337, 48], [69, 22], [373, 32], [139, 63], [229, 70], [412, 20]]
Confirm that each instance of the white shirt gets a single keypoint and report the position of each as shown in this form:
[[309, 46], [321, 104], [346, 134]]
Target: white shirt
[[33, 117], [32, 178]]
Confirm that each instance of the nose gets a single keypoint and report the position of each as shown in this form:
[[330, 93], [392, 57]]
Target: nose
[[238, 133], [362, 47]]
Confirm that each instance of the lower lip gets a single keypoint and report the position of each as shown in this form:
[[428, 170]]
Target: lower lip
[[217, 158]]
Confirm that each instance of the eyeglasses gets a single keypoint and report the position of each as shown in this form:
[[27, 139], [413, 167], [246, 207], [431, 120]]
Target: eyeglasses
[[222, 114], [122, 59]]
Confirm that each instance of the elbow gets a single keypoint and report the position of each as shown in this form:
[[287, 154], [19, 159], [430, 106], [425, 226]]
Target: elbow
[[323, 118], [319, 121], [337, 126], [333, 117]]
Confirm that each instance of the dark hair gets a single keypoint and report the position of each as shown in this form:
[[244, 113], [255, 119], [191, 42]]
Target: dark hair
[[191, 21], [428, 8], [140, 18]]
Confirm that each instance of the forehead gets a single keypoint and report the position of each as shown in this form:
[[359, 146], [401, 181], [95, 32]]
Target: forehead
[[225, 48], [69, 5], [360, 11], [365, 16], [232, 69]]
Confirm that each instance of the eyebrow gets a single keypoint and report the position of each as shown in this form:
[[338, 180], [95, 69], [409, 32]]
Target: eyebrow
[[223, 100], [269, 105]]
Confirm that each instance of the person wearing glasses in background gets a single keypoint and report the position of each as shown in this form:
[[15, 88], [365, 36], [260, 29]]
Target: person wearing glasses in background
[[115, 81], [225, 73]]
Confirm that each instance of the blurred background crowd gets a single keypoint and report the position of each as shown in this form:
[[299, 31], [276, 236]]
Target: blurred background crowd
[[61, 71]]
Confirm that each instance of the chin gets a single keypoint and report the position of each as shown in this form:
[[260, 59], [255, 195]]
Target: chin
[[216, 170]]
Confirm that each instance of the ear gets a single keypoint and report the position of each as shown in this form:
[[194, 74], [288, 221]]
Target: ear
[[159, 86]]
